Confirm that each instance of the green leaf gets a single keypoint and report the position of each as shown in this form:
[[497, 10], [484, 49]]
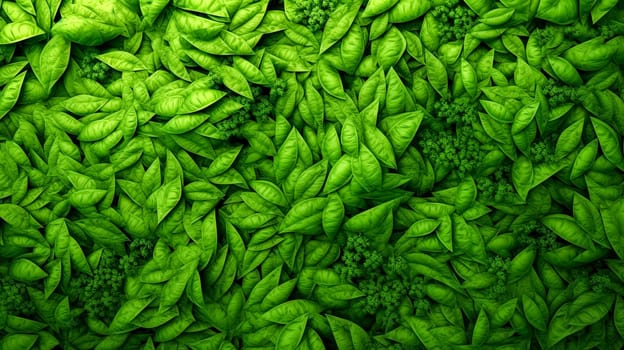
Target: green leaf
[[305, 217], [391, 48], [10, 94], [347, 334], [53, 60], [436, 73], [291, 334], [567, 228], [234, 80], [536, 311], [366, 169], [25, 270], [330, 80], [290, 310], [122, 61], [127, 312], [19, 31], [609, 142], [15, 215]]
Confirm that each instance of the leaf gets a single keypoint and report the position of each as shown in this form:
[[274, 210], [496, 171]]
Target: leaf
[[199, 99], [569, 139], [521, 264], [25, 270], [122, 61], [305, 217], [18, 341], [291, 334], [338, 24], [422, 228], [333, 215], [589, 308], [83, 30], [167, 198], [535, 311], [127, 312], [10, 94], [522, 176], [15, 215], [381, 147], [436, 73], [391, 48], [376, 7], [290, 310], [567, 228], [330, 80], [98, 130], [270, 192], [54, 60], [371, 218], [287, 156], [15, 32], [236, 81], [104, 233], [347, 334], [559, 327], [366, 169], [609, 142], [481, 329], [401, 129], [311, 181], [223, 162], [614, 227], [174, 288]]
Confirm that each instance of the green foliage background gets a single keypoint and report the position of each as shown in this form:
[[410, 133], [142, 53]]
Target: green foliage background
[[311, 174]]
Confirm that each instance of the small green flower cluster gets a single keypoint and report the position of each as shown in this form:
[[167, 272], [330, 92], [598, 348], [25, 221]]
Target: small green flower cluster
[[279, 89], [500, 267], [537, 234], [550, 36], [260, 109], [459, 150], [601, 281], [102, 293], [455, 20], [458, 111], [92, 68], [543, 151], [579, 31], [416, 292], [582, 31], [140, 252], [611, 30], [314, 13], [14, 297], [383, 294], [376, 345], [497, 187], [383, 280], [558, 94], [358, 259], [213, 79]]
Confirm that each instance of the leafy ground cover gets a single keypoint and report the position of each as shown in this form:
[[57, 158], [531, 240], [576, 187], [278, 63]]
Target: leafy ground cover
[[311, 174]]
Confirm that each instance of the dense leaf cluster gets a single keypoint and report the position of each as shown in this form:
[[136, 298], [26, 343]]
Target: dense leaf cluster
[[314, 13], [93, 68], [14, 297], [384, 279], [312, 174], [558, 94], [455, 20], [101, 293], [497, 186]]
